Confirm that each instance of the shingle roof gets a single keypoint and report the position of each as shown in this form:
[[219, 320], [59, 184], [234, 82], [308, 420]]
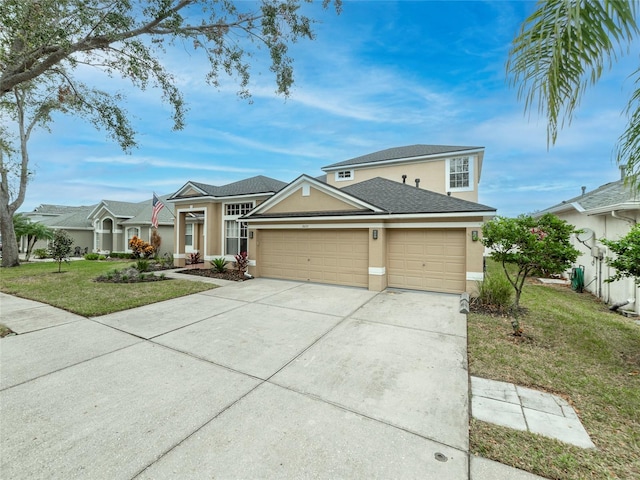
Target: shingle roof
[[397, 153], [72, 218], [248, 186], [391, 198], [609, 194], [122, 209], [48, 209], [395, 197], [144, 210]]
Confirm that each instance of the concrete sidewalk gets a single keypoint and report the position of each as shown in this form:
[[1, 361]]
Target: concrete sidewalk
[[525, 409], [266, 378]]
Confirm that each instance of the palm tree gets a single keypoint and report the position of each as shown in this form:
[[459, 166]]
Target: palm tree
[[562, 49], [34, 231]]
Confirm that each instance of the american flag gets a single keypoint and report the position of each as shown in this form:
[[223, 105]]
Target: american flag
[[157, 206]]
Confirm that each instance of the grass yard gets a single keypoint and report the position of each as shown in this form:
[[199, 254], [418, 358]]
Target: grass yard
[[74, 289], [579, 350]]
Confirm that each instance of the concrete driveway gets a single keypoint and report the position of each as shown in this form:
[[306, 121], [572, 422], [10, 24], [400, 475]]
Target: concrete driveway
[[260, 379]]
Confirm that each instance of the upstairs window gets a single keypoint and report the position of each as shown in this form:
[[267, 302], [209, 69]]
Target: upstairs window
[[343, 175], [237, 209], [460, 174]]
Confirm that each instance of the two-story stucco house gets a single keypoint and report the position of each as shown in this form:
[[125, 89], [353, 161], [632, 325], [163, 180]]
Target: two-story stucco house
[[404, 217]]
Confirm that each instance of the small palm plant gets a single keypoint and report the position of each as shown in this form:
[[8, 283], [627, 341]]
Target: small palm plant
[[219, 264]]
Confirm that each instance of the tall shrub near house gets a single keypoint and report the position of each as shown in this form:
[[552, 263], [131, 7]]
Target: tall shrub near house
[[60, 247], [156, 240], [140, 248], [627, 259], [529, 244], [242, 262]]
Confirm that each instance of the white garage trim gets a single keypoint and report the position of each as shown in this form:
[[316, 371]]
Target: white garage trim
[[475, 276]]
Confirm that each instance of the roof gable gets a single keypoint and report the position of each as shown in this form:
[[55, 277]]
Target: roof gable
[[116, 209], [309, 195], [249, 186]]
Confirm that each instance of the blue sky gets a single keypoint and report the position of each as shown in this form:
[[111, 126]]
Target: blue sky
[[379, 75]]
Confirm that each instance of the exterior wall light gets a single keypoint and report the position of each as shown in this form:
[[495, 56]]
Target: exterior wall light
[[375, 234], [250, 233], [474, 235]]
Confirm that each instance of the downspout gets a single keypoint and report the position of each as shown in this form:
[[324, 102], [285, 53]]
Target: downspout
[[630, 220], [631, 300]]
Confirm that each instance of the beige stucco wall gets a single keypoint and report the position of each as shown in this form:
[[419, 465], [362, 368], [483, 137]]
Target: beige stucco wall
[[316, 201], [604, 226], [432, 175], [81, 238]]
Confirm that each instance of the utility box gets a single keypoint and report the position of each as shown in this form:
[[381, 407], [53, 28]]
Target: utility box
[[596, 252]]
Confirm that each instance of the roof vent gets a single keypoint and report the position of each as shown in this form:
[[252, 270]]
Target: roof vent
[[404, 179], [583, 189], [623, 171], [417, 183]]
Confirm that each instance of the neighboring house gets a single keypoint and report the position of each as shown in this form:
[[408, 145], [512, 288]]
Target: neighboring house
[[107, 226], [404, 217], [606, 212], [74, 220]]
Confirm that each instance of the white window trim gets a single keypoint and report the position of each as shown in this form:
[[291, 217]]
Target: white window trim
[[344, 178], [471, 187], [226, 217], [188, 247], [137, 229]]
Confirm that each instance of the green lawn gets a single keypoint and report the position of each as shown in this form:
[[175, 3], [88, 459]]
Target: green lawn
[[74, 289], [578, 349]]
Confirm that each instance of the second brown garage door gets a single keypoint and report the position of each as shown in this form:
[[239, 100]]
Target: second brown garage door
[[427, 259], [326, 256]]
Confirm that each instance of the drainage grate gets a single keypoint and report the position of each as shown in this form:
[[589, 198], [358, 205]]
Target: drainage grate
[[440, 457]]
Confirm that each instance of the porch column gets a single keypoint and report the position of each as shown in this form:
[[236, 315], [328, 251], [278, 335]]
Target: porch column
[[179, 254]]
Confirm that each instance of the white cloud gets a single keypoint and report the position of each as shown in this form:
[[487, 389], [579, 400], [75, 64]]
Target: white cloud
[[168, 164]]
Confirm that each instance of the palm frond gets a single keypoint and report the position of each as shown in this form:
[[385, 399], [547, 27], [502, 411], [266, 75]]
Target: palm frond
[[628, 149], [563, 48]]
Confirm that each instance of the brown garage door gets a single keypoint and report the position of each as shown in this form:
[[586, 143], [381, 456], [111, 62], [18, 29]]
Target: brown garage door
[[427, 259], [325, 256]]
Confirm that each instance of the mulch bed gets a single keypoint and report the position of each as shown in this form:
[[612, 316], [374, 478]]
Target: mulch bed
[[232, 275]]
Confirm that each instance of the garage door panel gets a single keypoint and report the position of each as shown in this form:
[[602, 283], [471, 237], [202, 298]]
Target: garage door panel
[[326, 256], [427, 259]]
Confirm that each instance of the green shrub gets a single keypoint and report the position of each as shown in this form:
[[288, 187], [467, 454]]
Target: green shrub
[[102, 257], [495, 291], [142, 265], [40, 253], [167, 260], [219, 264], [123, 255], [91, 256]]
